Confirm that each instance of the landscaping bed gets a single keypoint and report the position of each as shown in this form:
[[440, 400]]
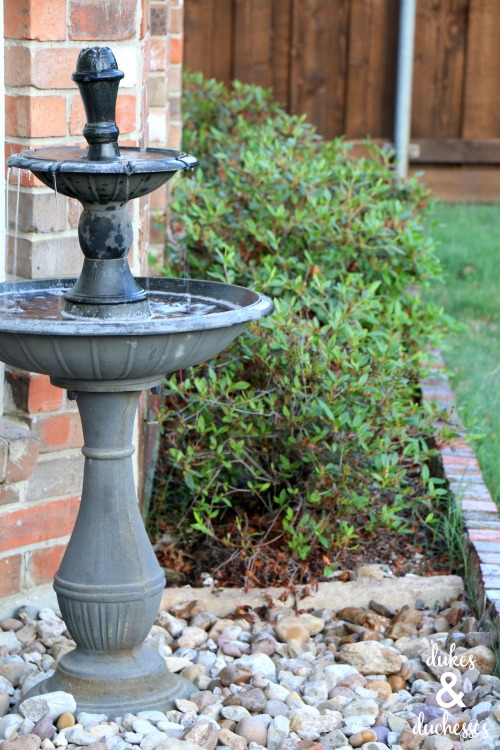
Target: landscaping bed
[[304, 449]]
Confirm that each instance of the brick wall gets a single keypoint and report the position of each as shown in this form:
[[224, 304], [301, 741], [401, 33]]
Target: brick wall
[[40, 436]]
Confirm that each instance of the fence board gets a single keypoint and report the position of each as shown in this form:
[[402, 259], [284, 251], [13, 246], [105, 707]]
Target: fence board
[[439, 68], [253, 42], [482, 101], [208, 30], [372, 68], [319, 62], [281, 33]]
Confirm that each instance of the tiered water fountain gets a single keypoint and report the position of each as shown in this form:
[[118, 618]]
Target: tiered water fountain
[[105, 338]]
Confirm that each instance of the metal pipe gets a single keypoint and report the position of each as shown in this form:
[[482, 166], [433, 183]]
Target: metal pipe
[[404, 87]]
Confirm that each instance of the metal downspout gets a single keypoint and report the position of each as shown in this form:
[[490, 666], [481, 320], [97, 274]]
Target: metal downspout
[[404, 87]]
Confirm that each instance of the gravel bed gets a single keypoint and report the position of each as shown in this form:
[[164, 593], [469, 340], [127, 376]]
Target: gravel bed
[[273, 678]]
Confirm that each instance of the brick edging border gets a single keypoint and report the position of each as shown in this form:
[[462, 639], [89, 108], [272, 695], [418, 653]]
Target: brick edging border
[[481, 519]]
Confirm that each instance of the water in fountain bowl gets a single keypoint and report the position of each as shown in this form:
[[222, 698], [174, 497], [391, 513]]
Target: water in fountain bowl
[[48, 304]]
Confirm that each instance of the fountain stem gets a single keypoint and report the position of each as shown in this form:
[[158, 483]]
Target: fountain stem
[[109, 585]]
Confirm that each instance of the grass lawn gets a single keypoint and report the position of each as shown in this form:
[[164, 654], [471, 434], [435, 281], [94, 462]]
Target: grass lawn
[[469, 249]]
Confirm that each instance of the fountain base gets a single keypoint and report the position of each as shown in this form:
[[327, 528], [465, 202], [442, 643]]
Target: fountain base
[[118, 682], [106, 289]]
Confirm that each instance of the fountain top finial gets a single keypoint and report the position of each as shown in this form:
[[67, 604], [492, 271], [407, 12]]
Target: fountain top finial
[[96, 63], [98, 77]]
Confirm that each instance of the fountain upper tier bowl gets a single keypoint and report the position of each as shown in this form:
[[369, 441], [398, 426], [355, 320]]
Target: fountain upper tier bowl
[[131, 174]]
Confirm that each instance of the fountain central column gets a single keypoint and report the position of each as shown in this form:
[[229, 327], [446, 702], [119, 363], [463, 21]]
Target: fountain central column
[[109, 585]]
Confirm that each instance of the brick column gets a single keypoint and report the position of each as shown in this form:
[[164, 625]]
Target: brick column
[[164, 89], [40, 437]]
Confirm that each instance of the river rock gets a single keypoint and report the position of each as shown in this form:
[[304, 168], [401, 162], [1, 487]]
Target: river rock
[[291, 629], [232, 740], [253, 729], [359, 739], [204, 734], [483, 657], [277, 732], [44, 728], [259, 664], [370, 657], [26, 742]]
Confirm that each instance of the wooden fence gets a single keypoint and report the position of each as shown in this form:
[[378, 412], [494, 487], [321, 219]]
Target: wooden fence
[[335, 60]]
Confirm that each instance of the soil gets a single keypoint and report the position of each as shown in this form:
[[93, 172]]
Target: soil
[[204, 561]]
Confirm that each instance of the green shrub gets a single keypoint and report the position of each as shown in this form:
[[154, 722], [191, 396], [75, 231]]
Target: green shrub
[[310, 424]]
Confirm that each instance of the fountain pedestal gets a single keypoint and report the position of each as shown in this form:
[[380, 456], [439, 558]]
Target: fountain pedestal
[[109, 585]]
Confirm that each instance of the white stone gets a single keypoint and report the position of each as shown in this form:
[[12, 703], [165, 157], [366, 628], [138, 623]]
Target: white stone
[[103, 731], [79, 736], [6, 686], [141, 726], [56, 703], [132, 738], [260, 664], [50, 628], [278, 730], [9, 721], [87, 719], [335, 673], [276, 692], [153, 739], [235, 713], [9, 640], [32, 679], [177, 663]]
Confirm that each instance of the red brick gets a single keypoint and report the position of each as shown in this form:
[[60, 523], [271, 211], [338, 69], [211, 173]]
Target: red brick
[[456, 461], [20, 447], [74, 212], [175, 135], [33, 524], [158, 54], [10, 575], [102, 19], [38, 212], [145, 18], [77, 117], [39, 256], [35, 117], [176, 46], [57, 431], [17, 66], [484, 535], [33, 393], [44, 564], [158, 19], [56, 475], [146, 60], [9, 493], [159, 199], [52, 67], [485, 506], [176, 21], [125, 114], [44, 20], [27, 178]]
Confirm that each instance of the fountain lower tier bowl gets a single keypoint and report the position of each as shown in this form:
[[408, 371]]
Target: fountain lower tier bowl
[[190, 323]]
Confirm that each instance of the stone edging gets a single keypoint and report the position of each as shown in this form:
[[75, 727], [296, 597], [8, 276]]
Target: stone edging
[[470, 494]]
